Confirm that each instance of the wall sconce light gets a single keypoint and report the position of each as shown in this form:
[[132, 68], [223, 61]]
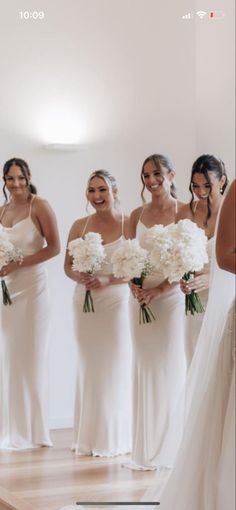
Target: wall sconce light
[[66, 147]]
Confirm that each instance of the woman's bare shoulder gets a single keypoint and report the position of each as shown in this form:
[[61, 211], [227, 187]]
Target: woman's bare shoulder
[[135, 214], [184, 211], [77, 227]]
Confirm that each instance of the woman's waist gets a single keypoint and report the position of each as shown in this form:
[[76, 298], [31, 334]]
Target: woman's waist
[[27, 272]]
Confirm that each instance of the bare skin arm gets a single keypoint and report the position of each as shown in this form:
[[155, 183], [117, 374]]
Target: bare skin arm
[[225, 241], [45, 219]]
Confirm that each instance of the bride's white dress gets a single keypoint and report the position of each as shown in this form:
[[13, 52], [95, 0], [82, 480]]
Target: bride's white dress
[[205, 467], [23, 347], [103, 394], [159, 367], [194, 322]]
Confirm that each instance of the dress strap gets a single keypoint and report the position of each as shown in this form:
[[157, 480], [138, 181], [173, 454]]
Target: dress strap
[[176, 207], [195, 206], [85, 226], [31, 203], [122, 224], [3, 211], [141, 213]]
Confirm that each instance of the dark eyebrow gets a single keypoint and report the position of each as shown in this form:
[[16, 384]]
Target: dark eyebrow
[[196, 184]]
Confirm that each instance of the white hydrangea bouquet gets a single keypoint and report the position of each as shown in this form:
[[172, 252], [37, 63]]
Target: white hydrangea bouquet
[[132, 263], [88, 255], [179, 250], [8, 253]]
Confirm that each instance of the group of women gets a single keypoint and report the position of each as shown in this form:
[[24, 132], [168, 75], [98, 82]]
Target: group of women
[[117, 409]]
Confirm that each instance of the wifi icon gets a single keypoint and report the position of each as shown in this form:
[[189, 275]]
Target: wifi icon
[[201, 14]]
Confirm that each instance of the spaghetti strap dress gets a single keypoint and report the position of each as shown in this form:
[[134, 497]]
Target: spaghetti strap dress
[[102, 425], [159, 368], [24, 346]]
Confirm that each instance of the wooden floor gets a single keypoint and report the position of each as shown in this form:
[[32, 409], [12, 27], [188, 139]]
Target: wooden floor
[[50, 478]]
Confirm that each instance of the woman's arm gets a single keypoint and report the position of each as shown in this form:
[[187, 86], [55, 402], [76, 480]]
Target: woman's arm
[[74, 233], [133, 220], [144, 296], [225, 240], [45, 219]]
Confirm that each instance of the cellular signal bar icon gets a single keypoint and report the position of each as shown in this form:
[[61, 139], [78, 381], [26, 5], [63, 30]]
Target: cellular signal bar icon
[[187, 16], [201, 14]]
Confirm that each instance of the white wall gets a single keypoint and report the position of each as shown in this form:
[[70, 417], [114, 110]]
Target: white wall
[[126, 79]]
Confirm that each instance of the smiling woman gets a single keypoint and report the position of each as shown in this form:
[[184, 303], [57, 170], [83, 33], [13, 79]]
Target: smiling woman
[[30, 225], [103, 393], [159, 359], [208, 183]]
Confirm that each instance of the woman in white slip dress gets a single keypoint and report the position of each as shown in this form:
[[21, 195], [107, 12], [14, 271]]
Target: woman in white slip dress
[[208, 183], [204, 475], [102, 423], [31, 226], [158, 347]]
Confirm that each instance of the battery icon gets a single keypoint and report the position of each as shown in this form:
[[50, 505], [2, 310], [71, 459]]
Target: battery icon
[[216, 14]]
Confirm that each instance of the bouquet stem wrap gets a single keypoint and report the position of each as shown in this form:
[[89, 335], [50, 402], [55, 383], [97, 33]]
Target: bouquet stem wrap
[[192, 301], [5, 293], [88, 302]]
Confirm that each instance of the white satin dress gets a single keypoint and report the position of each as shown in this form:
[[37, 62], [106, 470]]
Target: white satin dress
[[24, 347], [159, 368], [102, 425], [194, 322]]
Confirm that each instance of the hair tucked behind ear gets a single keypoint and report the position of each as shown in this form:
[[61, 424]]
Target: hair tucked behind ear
[[25, 171], [159, 160]]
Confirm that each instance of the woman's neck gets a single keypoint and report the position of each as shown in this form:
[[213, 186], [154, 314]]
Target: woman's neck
[[18, 201], [161, 205], [110, 215]]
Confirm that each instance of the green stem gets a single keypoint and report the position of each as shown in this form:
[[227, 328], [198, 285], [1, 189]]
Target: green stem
[[88, 302], [5, 294]]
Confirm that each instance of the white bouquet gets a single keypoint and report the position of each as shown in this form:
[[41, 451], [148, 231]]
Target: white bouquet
[[88, 255], [8, 253], [131, 262], [179, 250], [160, 242]]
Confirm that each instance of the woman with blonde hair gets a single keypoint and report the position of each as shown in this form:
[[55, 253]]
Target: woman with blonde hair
[[103, 392]]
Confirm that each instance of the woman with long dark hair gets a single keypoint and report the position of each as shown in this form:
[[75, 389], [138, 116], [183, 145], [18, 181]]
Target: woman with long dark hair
[[158, 346], [30, 225], [207, 184]]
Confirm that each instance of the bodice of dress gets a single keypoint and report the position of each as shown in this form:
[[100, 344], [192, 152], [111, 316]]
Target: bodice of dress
[[25, 236], [110, 248]]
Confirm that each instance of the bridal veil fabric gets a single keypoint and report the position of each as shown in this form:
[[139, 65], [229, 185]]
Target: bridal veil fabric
[[205, 465]]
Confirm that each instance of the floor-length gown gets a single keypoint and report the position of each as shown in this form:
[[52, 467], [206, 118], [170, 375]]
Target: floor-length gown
[[194, 322], [204, 475], [24, 346], [159, 367], [102, 424]]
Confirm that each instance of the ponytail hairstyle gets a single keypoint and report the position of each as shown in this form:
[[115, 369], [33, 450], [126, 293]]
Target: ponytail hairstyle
[[159, 160], [25, 171], [110, 181], [204, 165]]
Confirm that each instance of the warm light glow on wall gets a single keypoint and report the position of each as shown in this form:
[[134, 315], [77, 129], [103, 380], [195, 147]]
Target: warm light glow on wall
[[61, 124]]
